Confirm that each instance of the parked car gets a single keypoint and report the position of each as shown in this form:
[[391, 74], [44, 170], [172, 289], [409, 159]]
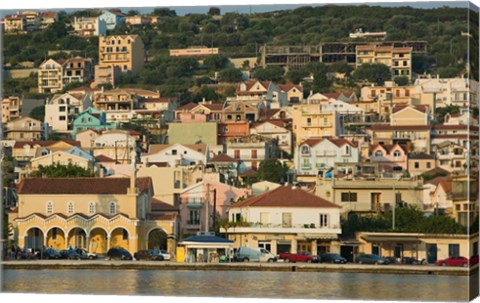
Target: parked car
[[453, 261], [303, 256], [371, 259], [118, 253], [332, 258], [51, 253], [86, 254], [257, 254], [148, 254], [71, 254], [166, 256]]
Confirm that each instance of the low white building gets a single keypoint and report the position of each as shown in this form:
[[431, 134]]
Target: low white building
[[251, 150], [322, 153], [286, 219], [176, 154], [275, 129], [61, 110]]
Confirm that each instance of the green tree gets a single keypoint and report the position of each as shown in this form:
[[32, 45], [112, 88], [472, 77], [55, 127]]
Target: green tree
[[214, 11], [206, 93], [164, 12], [271, 170], [38, 113], [401, 81], [215, 62], [133, 12], [341, 67], [61, 171], [442, 111], [372, 72], [269, 73], [231, 75], [296, 75]]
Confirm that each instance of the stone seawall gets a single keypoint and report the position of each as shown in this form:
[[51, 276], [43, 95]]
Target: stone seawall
[[284, 267]]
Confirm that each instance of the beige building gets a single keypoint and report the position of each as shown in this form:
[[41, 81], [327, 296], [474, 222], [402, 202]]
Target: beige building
[[78, 69], [309, 120], [410, 115], [11, 108], [398, 59], [89, 27], [14, 23], [25, 129], [194, 52], [431, 247], [92, 213], [419, 163], [124, 51], [50, 76], [106, 74]]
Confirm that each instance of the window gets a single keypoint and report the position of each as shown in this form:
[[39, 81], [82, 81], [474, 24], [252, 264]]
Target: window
[[113, 208], [62, 108], [62, 118], [70, 207], [417, 164], [453, 250], [237, 154], [125, 235], [396, 154], [254, 153], [429, 165], [194, 218], [54, 233], [91, 208], [309, 121], [264, 218], [305, 150], [323, 220], [378, 153], [49, 207], [349, 197], [398, 198], [174, 151]]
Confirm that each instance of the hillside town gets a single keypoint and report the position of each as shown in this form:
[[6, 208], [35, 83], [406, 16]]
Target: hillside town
[[385, 166]]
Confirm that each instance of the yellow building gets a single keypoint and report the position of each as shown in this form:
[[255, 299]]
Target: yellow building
[[124, 51], [50, 74], [93, 213], [398, 59], [25, 129], [11, 108], [310, 121]]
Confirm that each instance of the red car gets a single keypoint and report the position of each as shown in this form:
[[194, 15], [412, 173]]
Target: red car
[[453, 261], [302, 256]]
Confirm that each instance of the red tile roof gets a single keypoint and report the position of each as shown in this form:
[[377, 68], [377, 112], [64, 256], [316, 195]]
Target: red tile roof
[[387, 147], [286, 196], [287, 87], [157, 205], [437, 170], [222, 158], [445, 182], [155, 148], [338, 142], [332, 95], [188, 106], [421, 108], [268, 113], [20, 144], [103, 158], [215, 106], [80, 186]]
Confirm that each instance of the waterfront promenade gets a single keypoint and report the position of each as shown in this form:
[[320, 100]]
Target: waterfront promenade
[[244, 266]]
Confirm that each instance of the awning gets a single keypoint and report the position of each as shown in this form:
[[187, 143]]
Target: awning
[[391, 239], [320, 236]]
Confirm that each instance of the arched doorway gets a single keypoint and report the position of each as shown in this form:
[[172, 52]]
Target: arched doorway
[[77, 238], [34, 238], [157, 239], [56, 238], [119, 238], [98, 241]]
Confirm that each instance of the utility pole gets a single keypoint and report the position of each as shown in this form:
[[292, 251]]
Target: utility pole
[[214, 209], [207, 201], [394, 206]]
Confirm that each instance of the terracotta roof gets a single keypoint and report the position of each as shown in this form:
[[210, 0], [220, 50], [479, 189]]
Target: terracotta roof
[[338, 142], [400, 127], [276, 122], [85, 88], [250, 83], [157, 164], [157, 205], [216, 106], [103, 158], [159, 100], [48, 14], [388, 147], [248, 173], [155, 148], [20, 144], [421, 108], [445, 182], [80, 186], [268, 113], [222, 158], [332, 95], [287, 87], [286, 196], [188, 106]]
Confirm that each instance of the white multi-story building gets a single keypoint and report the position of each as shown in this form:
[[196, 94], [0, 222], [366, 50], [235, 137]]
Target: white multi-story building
[[61, 110], [447, 91], [176, 154], [317, 154], [275, 129]]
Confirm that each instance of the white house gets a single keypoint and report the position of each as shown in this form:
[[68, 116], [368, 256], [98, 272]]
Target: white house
[[251, 150], [322, 153], [119, 145], [286, 219], [61, 110], [448, 91], [176, 154], [112, 18], [275, 129]]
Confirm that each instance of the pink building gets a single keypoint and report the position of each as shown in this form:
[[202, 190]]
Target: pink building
[[389, 156], [193, 206]]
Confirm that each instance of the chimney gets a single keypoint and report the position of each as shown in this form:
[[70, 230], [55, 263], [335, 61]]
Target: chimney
[[133, 181]]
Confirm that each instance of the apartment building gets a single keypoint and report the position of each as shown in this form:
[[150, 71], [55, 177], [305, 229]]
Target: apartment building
[[106, 74], [50, 75], [311, 120], [398, 59], [77, 69], [62, 109], [125, 51], [442, 92], [89, 27], [11, 108]]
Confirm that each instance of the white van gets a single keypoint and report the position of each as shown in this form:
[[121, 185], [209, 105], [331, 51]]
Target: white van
[[246, 254]]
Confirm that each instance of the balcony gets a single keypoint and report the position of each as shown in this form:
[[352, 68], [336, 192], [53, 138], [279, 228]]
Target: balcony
[[328, 232], [306, 166], [325, 153], [323, 124], [194, 204]]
